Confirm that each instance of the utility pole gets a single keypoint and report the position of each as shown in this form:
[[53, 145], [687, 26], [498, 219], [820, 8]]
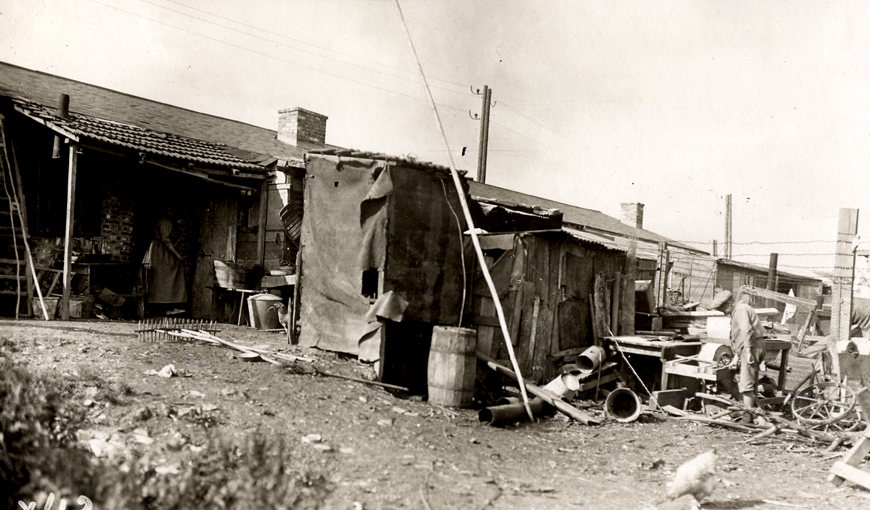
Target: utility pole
[[484, 134], [844, 279], [728, 239]]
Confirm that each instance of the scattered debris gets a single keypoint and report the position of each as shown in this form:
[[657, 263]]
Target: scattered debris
[[167, 371]]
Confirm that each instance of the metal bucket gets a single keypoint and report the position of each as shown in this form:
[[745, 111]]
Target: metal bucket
[[263, 310], [623, 405], [591, 358], [566, 386]]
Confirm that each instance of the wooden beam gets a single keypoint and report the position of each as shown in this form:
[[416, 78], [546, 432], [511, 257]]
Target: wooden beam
[[194, 172], [614, 307], [50, 125], [661, 279], [68, 232], [261, 223], [779, 296], [771, 272]]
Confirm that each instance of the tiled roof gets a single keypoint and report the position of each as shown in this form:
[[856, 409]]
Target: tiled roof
[[109, 105], [139, 139]]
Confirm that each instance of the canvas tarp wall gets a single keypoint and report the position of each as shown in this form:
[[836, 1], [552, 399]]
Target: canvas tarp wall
[[332, 308], [364, 214]]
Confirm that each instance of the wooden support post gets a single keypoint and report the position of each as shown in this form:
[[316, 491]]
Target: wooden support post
[[261, 223], [661, 287], [771, 275], [844, 273], [614, 306], [293, 316], [68, 232]]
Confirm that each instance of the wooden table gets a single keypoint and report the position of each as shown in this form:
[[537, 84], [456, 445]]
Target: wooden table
[[89, 269], [242, 297], [657, 347], [784, 346], [707, 373]]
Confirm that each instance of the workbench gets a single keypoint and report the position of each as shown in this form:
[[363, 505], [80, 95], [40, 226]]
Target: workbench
[[708, 372], [661, 348]]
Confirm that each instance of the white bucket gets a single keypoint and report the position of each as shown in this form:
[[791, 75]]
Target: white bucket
[[565, 386]]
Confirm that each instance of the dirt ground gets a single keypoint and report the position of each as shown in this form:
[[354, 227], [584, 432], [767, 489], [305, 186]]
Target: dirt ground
[[380, 451]]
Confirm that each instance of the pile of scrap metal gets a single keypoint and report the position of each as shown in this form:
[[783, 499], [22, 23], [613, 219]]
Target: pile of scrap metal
[[585, 376]]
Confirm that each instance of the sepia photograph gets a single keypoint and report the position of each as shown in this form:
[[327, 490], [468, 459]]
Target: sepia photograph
[[433, 255]]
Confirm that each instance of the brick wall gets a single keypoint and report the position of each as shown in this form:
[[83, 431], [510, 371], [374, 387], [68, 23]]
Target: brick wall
[[300, 125], [116, 226]]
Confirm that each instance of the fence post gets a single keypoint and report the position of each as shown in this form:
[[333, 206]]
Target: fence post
[[844, 276]]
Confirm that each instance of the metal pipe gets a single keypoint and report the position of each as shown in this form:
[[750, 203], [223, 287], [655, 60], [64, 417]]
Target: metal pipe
[[510, 412]]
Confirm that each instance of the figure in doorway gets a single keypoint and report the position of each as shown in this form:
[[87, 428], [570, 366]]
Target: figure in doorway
[[162, 273]]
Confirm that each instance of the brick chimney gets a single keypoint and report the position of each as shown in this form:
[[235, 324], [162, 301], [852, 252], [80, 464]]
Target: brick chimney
[[297, 125], [632, 214]]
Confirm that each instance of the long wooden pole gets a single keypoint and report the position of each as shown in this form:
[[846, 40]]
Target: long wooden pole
[[261, 222], [468, 220], [545, 394], [771, 274], [68, 235]]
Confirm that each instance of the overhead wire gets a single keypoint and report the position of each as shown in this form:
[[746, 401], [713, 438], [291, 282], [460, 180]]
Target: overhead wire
[[250, 50], [284, 36], [322, 71], [469, 221], [287, 45]]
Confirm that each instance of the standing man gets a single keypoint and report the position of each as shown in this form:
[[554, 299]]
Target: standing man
[[747, 342]]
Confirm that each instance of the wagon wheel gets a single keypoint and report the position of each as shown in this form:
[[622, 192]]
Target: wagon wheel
[[824, 404], [847, 423]]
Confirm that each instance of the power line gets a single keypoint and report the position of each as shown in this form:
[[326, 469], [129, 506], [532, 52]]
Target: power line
[[502, 103], [291, 62], [270, 56], [530, 139], [413, 80], [319, 47]]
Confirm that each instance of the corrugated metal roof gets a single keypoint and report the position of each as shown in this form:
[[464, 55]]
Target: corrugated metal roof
[[574, 216], [795, 273], [590, 238], [378, 156], [139, 139]]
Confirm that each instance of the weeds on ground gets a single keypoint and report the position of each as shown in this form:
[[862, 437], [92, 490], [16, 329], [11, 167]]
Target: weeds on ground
[[37, 445], [258, 473], [39, 455]]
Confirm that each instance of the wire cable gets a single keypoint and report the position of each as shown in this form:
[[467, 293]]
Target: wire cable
[[243, 48]]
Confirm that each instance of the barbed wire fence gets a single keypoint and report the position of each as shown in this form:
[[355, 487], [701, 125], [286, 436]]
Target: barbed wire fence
[[694, 276]]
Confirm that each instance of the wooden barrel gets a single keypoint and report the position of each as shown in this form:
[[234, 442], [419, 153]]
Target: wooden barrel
[[452, 366]]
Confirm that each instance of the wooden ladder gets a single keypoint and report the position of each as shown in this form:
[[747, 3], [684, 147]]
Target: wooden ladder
[[13, 267], [847, 469], [16, 261]]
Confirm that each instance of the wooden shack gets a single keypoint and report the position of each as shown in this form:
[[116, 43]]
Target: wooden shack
[[379, 233], [92, 173], [546, 282]]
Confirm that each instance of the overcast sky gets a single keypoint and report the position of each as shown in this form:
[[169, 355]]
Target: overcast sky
[[672, 104]]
